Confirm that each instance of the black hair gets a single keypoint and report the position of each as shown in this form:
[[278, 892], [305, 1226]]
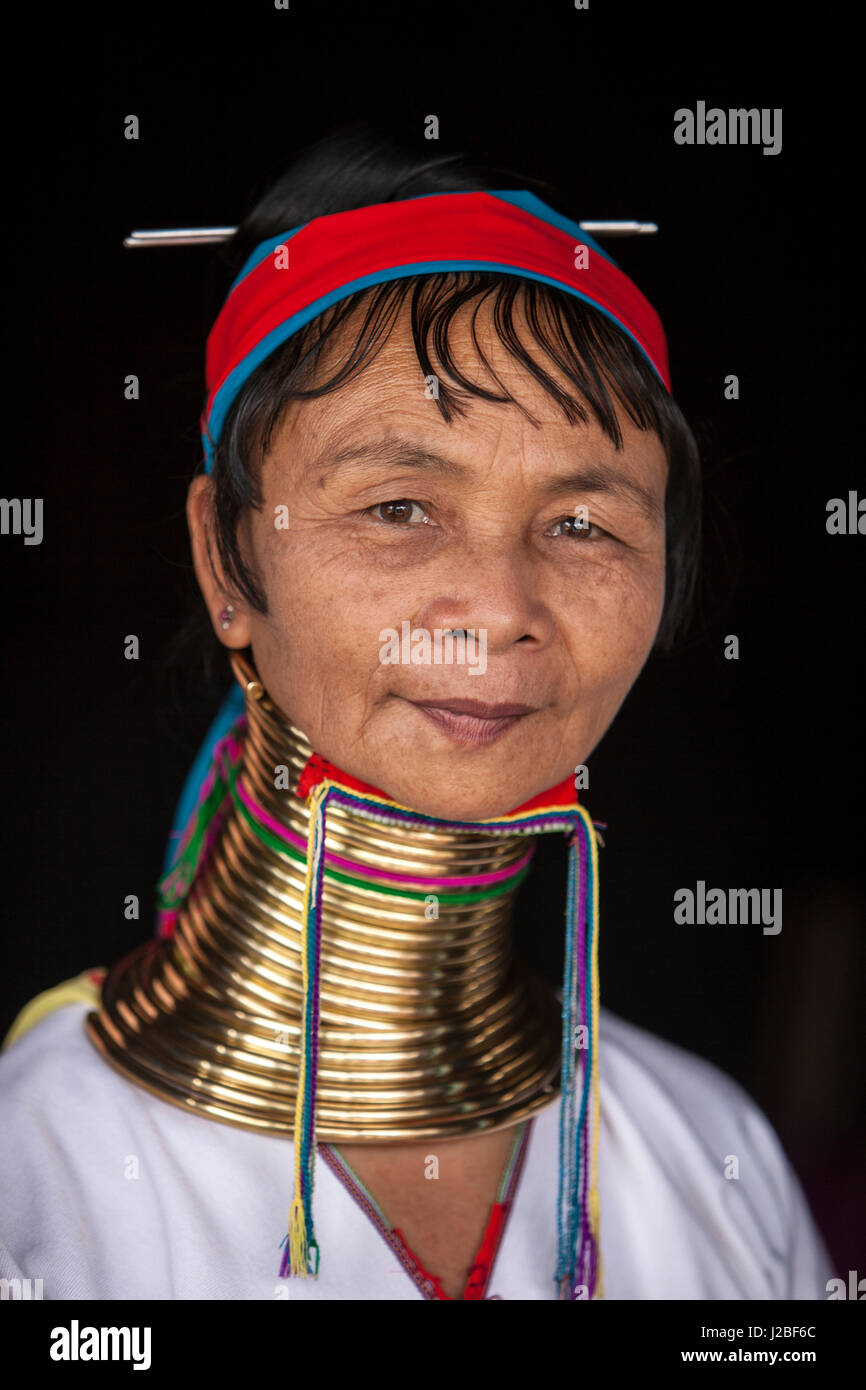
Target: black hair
[[363, 164]]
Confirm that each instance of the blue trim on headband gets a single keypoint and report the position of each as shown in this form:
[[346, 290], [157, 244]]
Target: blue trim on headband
[[232, 706], [234, 381]]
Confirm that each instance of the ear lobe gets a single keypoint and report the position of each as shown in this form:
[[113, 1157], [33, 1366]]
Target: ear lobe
[[231, 625]]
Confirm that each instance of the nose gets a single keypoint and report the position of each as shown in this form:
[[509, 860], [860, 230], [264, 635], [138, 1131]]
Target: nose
[[497, 590]]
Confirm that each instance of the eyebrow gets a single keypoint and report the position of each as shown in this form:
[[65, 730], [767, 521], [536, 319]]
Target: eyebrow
[[403, 452]]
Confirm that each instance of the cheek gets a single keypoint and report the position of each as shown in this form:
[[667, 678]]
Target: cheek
[[640, 613], [611, 620], [323, 620], [316, 572]]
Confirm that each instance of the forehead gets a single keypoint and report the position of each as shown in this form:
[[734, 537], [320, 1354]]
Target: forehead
[[393, 394]]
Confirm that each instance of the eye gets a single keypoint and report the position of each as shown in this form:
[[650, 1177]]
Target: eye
[[577, 527], [402, 512]]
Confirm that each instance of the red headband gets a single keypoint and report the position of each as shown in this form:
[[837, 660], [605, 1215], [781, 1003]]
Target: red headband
[[291, 278]]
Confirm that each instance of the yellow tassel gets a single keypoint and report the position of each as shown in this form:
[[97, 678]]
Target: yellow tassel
[[297, 1239]]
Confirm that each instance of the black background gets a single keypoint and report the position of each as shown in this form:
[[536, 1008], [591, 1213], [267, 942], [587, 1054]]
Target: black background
[[741, 773]]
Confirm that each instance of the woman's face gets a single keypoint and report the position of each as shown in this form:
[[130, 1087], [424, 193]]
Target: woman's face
[[378, 514]]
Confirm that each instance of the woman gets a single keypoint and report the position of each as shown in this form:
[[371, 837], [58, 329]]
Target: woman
[[448, 507]]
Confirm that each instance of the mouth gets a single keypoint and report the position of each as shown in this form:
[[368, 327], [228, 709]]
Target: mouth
[[472, 722]]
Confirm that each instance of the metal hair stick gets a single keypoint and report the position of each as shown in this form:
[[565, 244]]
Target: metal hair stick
[[202, 236], [619, 228], [180, 236]]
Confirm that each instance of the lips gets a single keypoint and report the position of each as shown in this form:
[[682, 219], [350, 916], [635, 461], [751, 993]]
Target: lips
[[472, 722], [478, 708]]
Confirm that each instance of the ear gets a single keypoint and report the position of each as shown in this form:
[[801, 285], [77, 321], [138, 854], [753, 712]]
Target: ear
[[208, 567]]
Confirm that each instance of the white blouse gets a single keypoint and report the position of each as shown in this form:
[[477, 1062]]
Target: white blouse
[[107, 1192]]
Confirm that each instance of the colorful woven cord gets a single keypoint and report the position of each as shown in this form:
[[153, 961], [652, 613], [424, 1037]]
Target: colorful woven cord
[[579, 1265], [201, 829]]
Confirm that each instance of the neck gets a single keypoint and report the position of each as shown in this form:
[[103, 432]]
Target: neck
[[428, 1024]]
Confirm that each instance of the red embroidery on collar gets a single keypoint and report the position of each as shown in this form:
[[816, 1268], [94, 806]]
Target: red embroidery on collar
[[318, 768]]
